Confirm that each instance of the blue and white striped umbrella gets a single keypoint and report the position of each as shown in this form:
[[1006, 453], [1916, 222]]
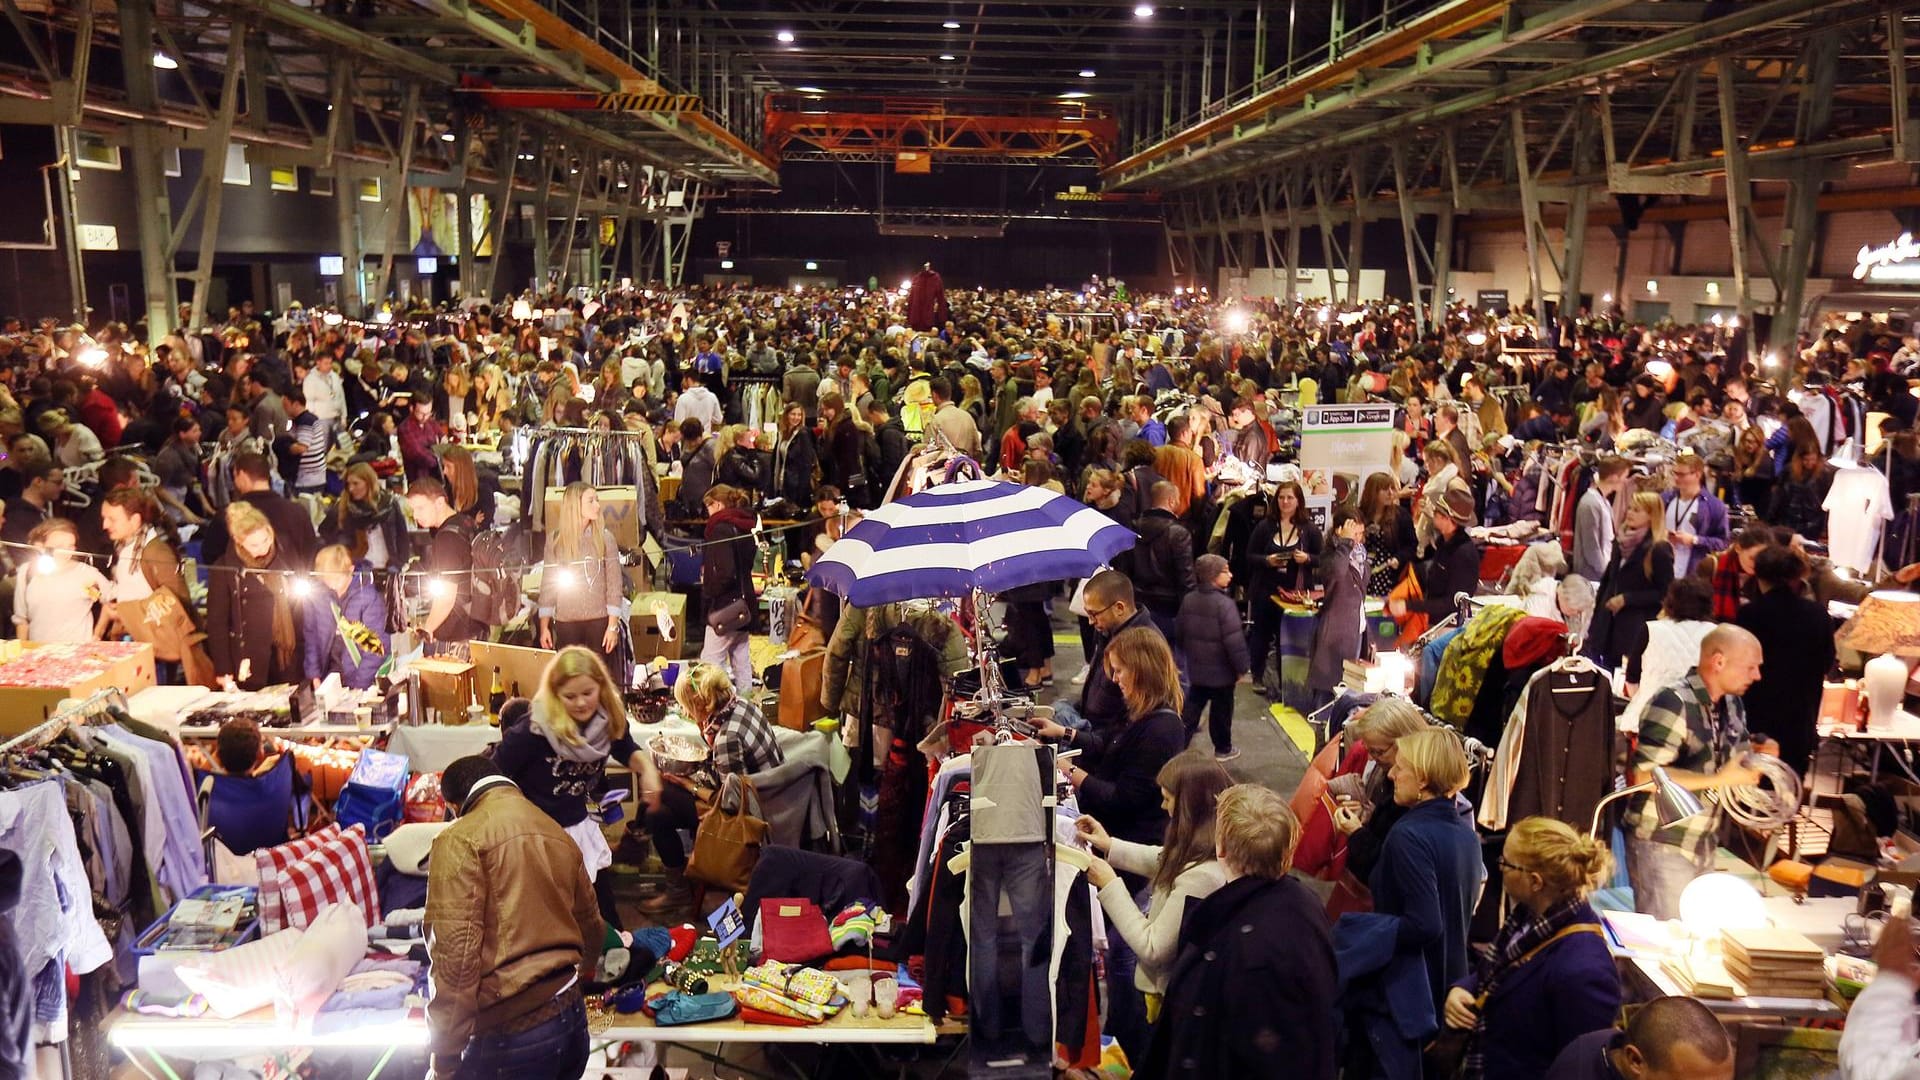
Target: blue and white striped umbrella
[[973, 534]]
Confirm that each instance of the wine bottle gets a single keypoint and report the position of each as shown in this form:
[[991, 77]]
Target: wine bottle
[[496, 697]]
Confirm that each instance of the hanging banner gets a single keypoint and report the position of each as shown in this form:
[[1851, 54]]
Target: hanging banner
[[1344, 441]]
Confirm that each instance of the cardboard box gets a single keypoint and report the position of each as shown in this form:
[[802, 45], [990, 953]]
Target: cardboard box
[[520, 667], [448, 685], [22, 707], [619, 508], [647, 640]]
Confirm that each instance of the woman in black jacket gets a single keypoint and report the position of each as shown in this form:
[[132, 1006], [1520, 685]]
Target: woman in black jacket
[[742, 464], [1280, 559], [253, 630], [840, 459], [795, 458], [726, 584], [1634, 585], [1390, 538], [1796, 640], [367, 520], [1339, 630]]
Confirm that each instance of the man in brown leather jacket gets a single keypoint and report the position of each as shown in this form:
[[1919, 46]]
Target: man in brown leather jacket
[[513, 930]]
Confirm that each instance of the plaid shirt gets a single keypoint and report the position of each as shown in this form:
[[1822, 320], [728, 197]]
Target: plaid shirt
[[1727, 593], [1683, 729], [742, 742]]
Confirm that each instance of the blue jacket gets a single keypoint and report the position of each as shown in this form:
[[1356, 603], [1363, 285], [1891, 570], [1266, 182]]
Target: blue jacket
[[1429, 878], [1535, 1010], [325, 648], [1384, 993], [1710, 524]]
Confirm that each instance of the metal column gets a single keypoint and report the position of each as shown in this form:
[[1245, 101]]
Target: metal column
[[1739, 190], [1530, 211], [585, 169], [154, 219], [400, 197], [213, 171], [1357, 236], [1574, 243], [507, 166], [542, 221], [1802, 223], [1409, 236], [1293, 192], [1324, 212]]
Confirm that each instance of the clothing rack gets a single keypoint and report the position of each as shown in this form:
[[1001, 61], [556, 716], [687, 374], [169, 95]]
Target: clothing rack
[[97, 704], [606, 458]]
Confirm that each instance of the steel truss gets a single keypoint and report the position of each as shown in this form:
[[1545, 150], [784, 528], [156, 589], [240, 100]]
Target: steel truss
[[1775, 96]]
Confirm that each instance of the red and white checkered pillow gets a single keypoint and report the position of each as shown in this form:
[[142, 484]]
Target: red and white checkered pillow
[[272, 861], [340, 871]]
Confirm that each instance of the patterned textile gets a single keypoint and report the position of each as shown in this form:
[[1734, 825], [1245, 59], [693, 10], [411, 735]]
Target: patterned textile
[[1295, 643], [794, 981], [1464, 667], [339, 872], [768, 1001], [270, 862], [1683, 729]]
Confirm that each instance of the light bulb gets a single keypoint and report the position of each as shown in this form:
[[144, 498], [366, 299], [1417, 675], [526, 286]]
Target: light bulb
[[302, 587], [1237, 322], [92, 356], [45, 564], [1477, 339], [439, 588], [564, 577], [164, 62]]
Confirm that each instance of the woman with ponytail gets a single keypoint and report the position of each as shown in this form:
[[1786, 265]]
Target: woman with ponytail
[[1550, 978]]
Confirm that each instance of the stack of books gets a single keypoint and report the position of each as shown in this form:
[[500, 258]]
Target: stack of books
[[1776, 963]]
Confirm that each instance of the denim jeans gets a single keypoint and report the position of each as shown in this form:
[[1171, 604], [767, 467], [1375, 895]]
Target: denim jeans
[[1659, 873], [1019, 871], [1126, 1006], [554, 1050]]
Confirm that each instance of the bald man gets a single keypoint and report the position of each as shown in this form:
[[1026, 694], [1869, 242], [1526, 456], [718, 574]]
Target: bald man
[[1697, 731], [1670, 1038]]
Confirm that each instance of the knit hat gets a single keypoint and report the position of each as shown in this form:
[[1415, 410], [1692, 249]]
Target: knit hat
[[1207, 568], [1457, 505]]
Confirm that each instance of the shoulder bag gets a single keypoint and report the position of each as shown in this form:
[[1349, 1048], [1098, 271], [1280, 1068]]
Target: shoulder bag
[[1447, 1052], [727, 844]]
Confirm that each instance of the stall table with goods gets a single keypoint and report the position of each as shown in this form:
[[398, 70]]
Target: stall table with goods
[[35, 678]]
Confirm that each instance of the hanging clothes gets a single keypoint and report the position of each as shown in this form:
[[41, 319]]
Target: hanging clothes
[[1464, 665], [1556, 757]]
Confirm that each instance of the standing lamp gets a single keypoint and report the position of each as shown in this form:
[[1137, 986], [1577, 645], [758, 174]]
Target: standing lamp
[[1672, 804], [1887, 627]]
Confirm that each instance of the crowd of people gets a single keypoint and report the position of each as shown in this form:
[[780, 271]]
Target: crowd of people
[[338, 482]]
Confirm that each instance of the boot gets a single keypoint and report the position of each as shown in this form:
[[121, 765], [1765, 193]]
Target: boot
[[671, 901]]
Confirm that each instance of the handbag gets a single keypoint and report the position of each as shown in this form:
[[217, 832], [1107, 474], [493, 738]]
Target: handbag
[[1413, 623], [1445, 1055], [734, 618], [727, 843]]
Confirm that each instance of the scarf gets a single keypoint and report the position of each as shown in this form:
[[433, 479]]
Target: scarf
[[1519, 935], [596, 736], [1630, 541], [284, 642]]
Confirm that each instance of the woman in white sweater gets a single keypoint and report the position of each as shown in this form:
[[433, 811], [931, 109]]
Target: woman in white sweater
[[1673, 645], [1183, 867]]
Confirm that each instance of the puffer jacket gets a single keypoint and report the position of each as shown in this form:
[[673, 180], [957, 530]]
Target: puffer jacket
[[1161, 565], [843, 685], [1210, 633], [511, 918]]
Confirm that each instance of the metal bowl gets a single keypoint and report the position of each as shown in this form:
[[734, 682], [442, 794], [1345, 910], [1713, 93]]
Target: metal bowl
[[679, 755]]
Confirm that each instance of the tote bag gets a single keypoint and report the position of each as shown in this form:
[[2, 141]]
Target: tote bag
[[727, 844]]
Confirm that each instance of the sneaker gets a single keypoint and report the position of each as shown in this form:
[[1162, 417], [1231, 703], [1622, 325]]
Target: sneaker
[[1079, 678], [1225, 755]]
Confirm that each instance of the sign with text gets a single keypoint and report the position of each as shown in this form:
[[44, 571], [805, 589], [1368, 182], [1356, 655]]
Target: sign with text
[[1352, 439], [1898, 261]]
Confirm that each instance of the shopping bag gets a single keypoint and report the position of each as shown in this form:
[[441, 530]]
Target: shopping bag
[[800, 678], [1413, 623], [727, 843], [376, 793]]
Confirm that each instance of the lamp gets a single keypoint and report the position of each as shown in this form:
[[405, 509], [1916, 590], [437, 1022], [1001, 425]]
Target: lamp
[[1672, 804], [1887, 627], [1712, 904]]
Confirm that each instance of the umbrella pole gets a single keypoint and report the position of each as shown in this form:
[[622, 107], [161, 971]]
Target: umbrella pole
[[992, 688]]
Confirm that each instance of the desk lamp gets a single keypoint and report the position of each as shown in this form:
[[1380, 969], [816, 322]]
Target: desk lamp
[[1887, 627], [1672, 804]]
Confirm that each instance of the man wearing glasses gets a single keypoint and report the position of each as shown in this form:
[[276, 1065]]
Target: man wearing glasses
[[1111, 608]]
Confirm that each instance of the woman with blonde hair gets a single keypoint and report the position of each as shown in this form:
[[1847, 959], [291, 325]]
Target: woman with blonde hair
[[739, 461], [253, 631], [1425, 886], [556, 747], [346, 621], [739, 742], [367, 519], [1445, 473], [1550, 977], [1635, 582], [581, 584], [1365, 811]]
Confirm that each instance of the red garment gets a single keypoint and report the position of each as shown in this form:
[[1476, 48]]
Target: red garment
[[97, 411], [416, 447], [927, 301], [1013, 450], [755, 1016]]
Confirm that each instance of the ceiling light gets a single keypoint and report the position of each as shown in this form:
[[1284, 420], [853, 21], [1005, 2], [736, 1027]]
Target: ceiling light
[[1075, 94], [1143, 11], [785, 37], [809, 90], [446, 136], [726, 264], [526, 157], [946, 56], [811, 265], [1086, 73], [622, 184], [950, 25], [164, 62]]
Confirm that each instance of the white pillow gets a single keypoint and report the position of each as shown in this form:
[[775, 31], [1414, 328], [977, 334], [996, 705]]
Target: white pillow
[[335, 941], [409, 845], [242, 979]]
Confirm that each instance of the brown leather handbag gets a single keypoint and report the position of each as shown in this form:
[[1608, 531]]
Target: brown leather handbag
[[727, 844]]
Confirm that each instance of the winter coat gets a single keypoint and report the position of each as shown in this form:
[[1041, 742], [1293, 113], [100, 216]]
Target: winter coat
[[1338, 630], [726, 562], [240, 621], [1623, 634], [1568, 989], [1161, 564], [794, 459], [323, 642], [1209, 632]]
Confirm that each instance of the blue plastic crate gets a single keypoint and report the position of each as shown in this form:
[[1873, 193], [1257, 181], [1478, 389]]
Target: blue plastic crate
[[153, 939]]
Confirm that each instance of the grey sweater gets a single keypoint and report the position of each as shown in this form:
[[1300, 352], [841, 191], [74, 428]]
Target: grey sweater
[[1592, 535], [587, 589]]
